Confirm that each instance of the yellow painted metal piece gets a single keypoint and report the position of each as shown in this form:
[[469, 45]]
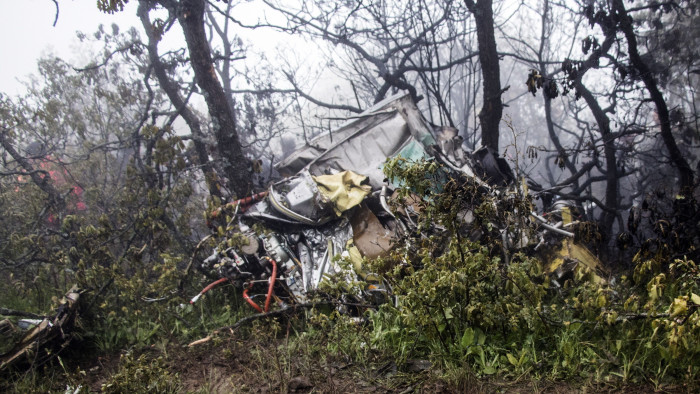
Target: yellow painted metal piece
[[344, 189], [356, 259], [584, 262], [566, 215]]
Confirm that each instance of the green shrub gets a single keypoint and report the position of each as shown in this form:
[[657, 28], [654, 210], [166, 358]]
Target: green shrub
[[142, 375], [481, 307]]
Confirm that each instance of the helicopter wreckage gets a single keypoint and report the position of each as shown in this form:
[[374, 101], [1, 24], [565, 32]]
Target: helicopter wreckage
[[335, 206]]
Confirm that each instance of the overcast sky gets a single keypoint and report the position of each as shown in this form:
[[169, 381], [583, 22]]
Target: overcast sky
[[27, 31]]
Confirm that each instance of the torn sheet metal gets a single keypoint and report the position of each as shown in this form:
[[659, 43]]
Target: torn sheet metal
[[325, 245], [298, 198], [334, 205], [344, 190], [492, 168], [370, 237], [330, 205], [363, 144]]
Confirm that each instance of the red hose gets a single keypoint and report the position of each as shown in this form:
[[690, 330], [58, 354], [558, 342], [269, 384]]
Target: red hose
[[272, 283], [211, 286], [250, 199], [243, 202], [250, 301], [270, 289]]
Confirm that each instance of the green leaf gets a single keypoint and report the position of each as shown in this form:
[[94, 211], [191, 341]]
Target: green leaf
[[695, 298], [512, 359], [448, 313], [480, 337], [467, 337]]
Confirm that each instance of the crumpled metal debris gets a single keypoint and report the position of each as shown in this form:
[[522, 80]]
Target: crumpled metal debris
[[571, 260], [392, 127], [331, 212]]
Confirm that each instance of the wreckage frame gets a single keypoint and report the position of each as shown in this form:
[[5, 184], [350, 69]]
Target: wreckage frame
[[333, 211]]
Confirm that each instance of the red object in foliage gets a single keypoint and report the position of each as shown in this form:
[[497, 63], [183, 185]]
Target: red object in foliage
[[60, 176]]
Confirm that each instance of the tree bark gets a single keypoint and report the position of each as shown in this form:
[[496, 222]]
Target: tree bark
[[681, 164], [492, 109], [609, 150], [173, 93], [190, 15]]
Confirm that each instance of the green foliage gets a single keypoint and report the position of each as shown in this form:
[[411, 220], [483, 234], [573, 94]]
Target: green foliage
[[127, 237], [317, 346], [460, 305], [142, 375], [31, 382], [465, 298]]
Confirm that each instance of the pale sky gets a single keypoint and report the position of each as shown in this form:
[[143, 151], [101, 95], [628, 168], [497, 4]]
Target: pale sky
[[27, 32]]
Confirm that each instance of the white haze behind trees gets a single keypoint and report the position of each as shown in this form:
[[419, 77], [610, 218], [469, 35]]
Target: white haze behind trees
[[25, 43], [27, 32], [336, 74]]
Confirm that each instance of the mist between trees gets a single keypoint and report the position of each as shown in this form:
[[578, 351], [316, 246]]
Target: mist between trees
[[593, 102], [590, 101]]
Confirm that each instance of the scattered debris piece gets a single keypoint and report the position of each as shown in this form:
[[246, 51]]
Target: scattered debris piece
[[46, 337]]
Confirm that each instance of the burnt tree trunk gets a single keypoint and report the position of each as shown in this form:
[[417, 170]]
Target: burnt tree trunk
[[492, 109]]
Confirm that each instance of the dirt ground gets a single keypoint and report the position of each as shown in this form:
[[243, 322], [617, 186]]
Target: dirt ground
[[229, 369], [248, 366]]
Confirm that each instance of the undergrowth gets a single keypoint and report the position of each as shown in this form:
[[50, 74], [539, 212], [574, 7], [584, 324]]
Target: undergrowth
[[467, 306], [462, 306]]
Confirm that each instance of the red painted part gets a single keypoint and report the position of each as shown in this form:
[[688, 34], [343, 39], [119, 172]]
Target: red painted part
[[249, 200], [61, 179], [243, 202], [209, 287], [249, 300], [270, 289]]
